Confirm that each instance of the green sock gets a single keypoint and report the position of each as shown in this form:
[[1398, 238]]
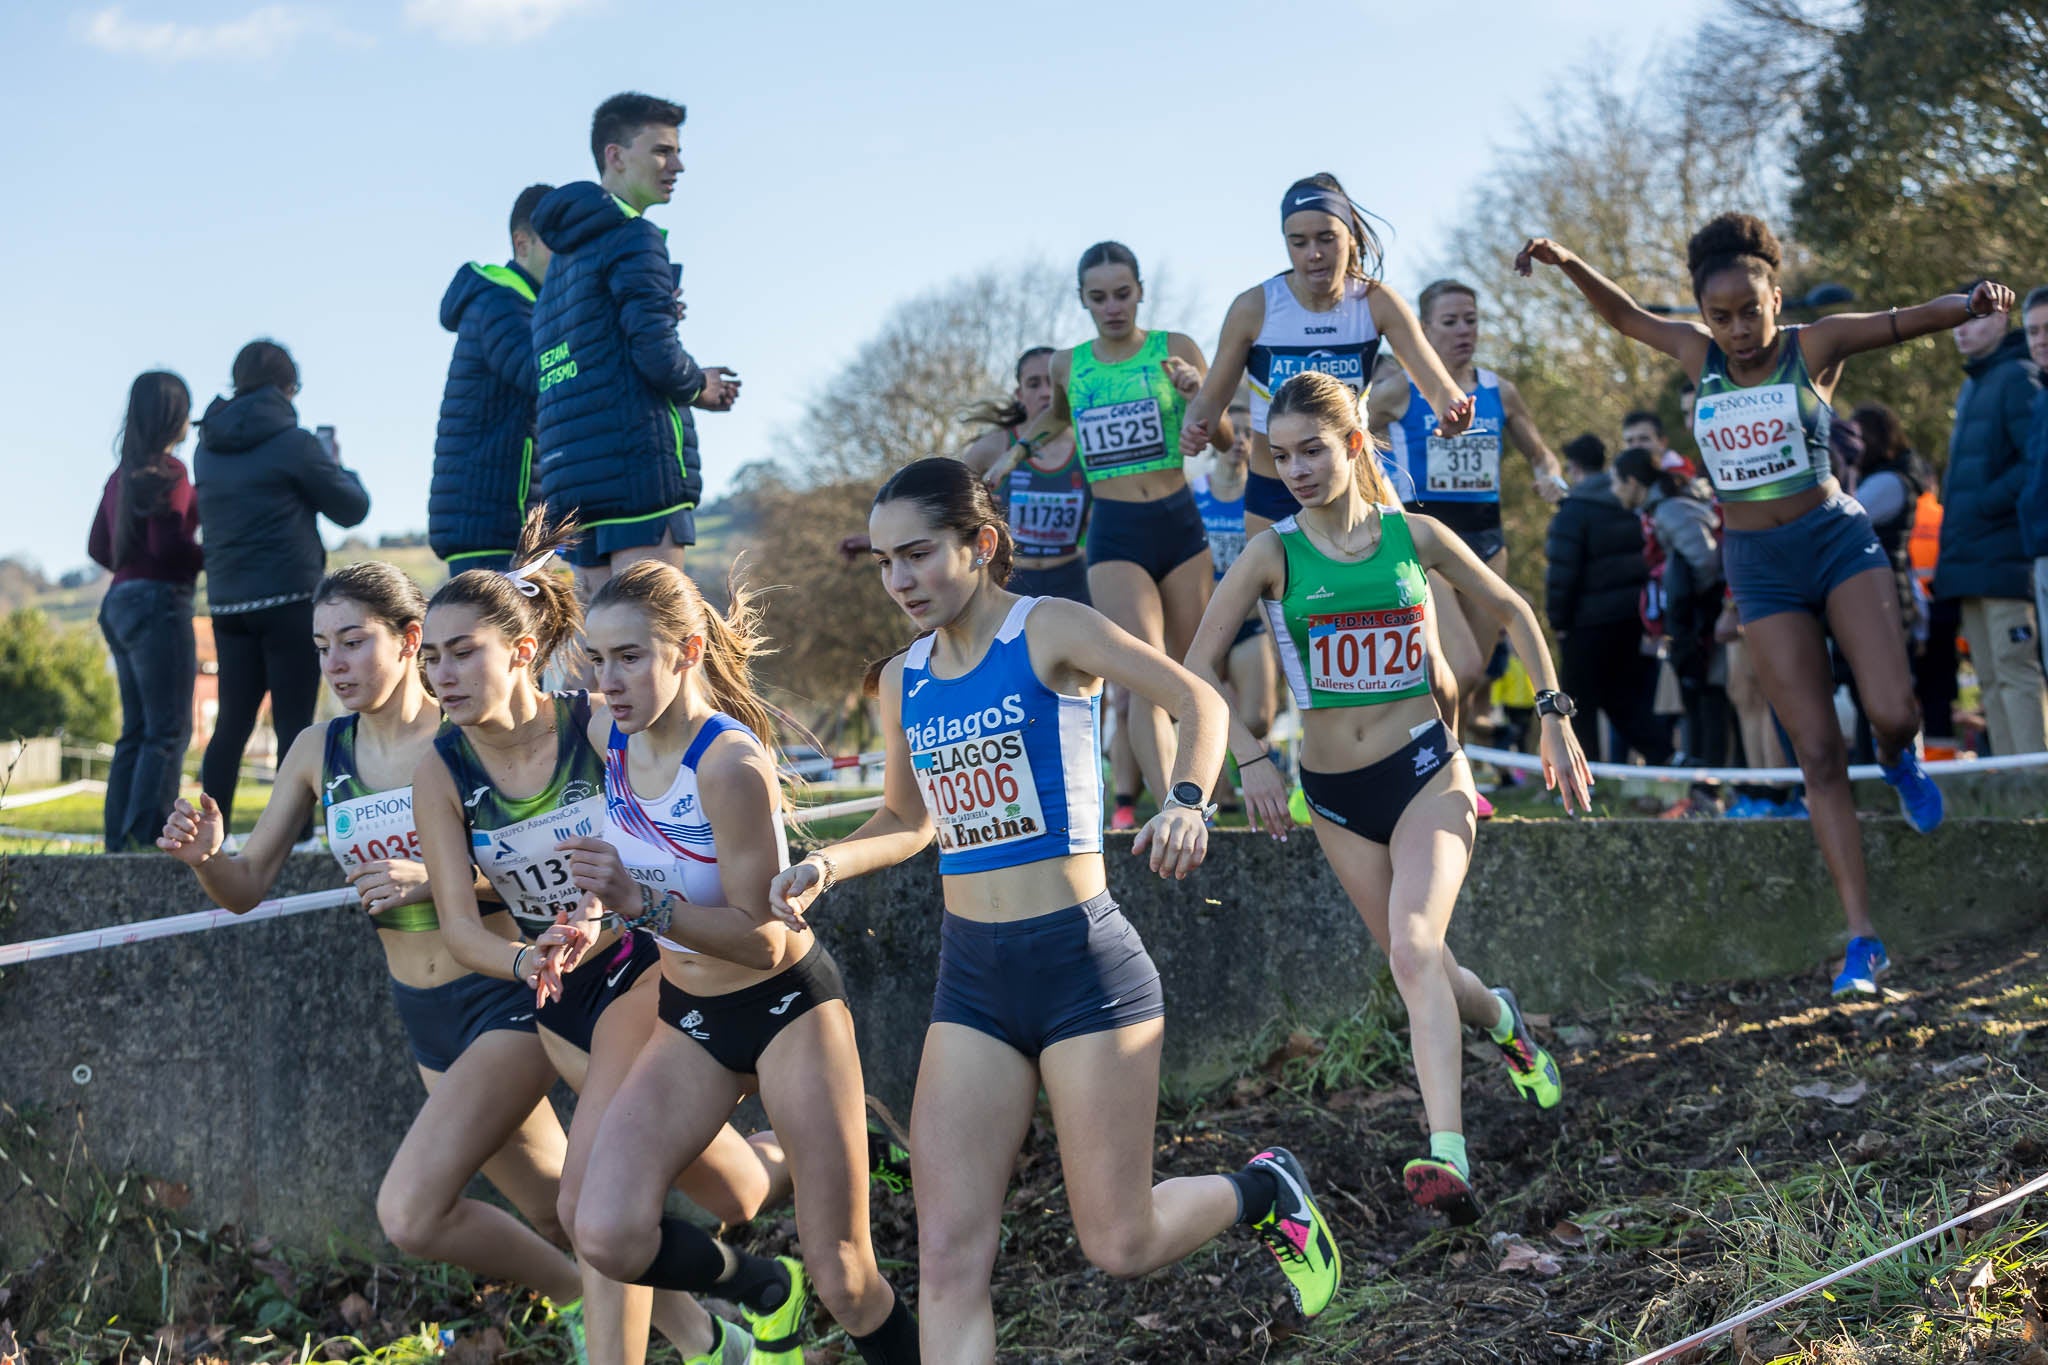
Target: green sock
[[1504, 1027], [1450, 1148]]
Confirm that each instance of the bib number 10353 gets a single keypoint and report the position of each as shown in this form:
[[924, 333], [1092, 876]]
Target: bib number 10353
[[1367, 652]]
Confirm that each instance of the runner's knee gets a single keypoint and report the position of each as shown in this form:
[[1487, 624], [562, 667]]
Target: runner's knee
[[612, 1246], [955, 1257], [408, 1223], [1122, 1251]]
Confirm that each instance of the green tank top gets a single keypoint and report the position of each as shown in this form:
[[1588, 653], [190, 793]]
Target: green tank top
[[1767, 440], [512, 841], [367, 826], [1353, 634], [1127, 415]]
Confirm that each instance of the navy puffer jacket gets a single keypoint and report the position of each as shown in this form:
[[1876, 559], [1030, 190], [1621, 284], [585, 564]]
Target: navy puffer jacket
[[483, 448], [1981, 554], [615, 437], [2034, 495]]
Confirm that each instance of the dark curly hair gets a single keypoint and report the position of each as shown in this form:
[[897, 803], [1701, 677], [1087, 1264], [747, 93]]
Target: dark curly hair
[[1733, 240]]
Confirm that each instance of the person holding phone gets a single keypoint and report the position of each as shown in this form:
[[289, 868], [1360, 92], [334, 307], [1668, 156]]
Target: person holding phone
[[262, 482]]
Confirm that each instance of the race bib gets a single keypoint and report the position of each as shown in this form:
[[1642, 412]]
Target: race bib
[[1047, 522], [1466, 463], [521, 862], [1750, 437], [1367, 652], [980, 791], [373, 829], [1224, 548], [1117, 436]]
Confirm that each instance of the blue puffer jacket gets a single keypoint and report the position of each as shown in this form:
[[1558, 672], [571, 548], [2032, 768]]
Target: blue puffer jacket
[[2034, 494], [483, 448], [615, 436], [1981, 554]]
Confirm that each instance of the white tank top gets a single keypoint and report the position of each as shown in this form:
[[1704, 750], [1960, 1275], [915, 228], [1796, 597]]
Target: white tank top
[[1343, 342]]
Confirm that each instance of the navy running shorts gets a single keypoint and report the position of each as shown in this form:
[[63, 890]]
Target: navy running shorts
[[1252, 629], [595, 547], [1369, 801], [736, 1028], [441, 1021], [1795, 566], [1266, 496], [1068, 580], [1157, 536], [1034, 982], [589, 991]]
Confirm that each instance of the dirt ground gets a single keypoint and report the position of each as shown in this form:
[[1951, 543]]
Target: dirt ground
[[1717, 1146]]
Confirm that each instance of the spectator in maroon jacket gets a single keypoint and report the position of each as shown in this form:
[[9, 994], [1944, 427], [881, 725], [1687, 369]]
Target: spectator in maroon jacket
[[146, 532]]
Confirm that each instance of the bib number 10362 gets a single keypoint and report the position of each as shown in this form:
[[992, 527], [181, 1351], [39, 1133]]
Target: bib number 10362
[[1366, 652], [1750, 437]]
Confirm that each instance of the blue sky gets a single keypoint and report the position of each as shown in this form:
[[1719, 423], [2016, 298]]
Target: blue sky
[[186, 176]]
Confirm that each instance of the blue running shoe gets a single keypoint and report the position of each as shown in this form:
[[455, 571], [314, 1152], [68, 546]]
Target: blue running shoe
[[1919, 798], [1748, 808], [1865, 963], [1792, 808]]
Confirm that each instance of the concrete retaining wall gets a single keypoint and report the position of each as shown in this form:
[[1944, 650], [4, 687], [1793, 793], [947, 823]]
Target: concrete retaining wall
[[262, 1065]]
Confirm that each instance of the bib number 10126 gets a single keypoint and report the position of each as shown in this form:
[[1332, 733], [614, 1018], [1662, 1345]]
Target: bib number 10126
[[1367, 651]]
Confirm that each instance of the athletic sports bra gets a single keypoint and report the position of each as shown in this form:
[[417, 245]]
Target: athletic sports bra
[[1048, 510], [666, 842], [1126, 415], [1343, 342], [1224, 521], [513, 842], [1010, 769], [1353, 633], [1428, 468], [365, 826], [1767, 440]]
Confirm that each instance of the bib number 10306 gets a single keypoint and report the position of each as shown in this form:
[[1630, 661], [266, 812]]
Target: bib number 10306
[[1366, 652], [980, 791]]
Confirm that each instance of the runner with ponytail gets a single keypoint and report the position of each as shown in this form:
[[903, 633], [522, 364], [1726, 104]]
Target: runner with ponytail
[[1801, 558], [510, 785], [990, 724], [1047, 494], [694, 839]]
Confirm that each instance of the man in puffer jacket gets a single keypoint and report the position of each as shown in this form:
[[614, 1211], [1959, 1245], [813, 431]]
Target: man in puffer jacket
[[1983, 562], [2034, 495], [483, 448], [616, 440]]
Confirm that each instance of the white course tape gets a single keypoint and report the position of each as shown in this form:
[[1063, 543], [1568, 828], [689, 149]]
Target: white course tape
[[860, 806], [87, 940], [16, 800], [1508, 758], [45, 836], [1677, 1348]]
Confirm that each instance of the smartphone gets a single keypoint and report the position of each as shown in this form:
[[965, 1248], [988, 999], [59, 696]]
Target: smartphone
[[675, 271], [325, 436]]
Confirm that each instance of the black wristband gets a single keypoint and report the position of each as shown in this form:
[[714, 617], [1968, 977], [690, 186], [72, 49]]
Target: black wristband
[[1243, 763]]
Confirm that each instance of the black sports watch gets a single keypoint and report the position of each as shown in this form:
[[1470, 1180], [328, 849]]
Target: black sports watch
[[1560, 704], [1188, 794]]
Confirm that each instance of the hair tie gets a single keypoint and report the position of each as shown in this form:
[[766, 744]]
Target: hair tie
[[1319, 199], [522, 577]]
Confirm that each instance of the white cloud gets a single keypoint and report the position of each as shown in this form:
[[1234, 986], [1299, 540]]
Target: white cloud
[[489, 21], [264, 32]]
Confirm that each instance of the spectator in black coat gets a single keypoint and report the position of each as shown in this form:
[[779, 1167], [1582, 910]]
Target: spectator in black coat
[[1591, 593], [263, 482], [483, 448]]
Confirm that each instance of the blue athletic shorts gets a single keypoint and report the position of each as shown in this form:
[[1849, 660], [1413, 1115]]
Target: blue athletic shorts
[[589, 991], [595, 547], [1267, 497], [1035, 982], [1158, 536], [1252, 629], [1795, 566], [441, 1021], [1068, 580]]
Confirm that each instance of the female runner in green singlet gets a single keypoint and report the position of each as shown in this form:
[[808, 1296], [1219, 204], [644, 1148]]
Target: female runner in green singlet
[[1796, 549], [1343, 585], [514, 771], [1122, 396]]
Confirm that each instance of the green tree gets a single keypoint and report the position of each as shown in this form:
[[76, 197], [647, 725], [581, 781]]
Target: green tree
[[54, 680]]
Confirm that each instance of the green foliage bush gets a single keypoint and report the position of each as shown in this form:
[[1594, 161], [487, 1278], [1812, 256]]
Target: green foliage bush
[[54, 680]]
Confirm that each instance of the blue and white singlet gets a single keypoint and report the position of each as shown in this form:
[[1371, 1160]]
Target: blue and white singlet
[[1343, 342]]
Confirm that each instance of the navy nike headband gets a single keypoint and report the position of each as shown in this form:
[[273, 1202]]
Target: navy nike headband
[[1318, 199]]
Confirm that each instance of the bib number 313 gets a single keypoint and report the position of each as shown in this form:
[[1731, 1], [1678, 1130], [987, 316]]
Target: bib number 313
[[1366, 652]]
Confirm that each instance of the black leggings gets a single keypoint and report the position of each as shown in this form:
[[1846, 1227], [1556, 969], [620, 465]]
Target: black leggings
[[270, 650]]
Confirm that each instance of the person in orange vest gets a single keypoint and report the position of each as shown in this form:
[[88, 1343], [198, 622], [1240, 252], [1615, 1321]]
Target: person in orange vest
[[1934, 656]]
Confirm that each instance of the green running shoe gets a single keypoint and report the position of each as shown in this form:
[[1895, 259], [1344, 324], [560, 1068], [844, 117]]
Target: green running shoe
[[888, 1157], [570, 1315], [778, 1334], [1533, 1070], [730, 1346], [1294, 1231], [1438, 1187]]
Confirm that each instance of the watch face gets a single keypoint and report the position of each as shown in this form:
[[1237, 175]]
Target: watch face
[[1187, 794]]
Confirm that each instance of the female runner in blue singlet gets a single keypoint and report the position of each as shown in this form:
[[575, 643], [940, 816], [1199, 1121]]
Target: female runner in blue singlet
[[1796, 549], [990, 724], [1046, 497], [746, 1002], [1327, 312], [472, 1036], [509, 784]]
